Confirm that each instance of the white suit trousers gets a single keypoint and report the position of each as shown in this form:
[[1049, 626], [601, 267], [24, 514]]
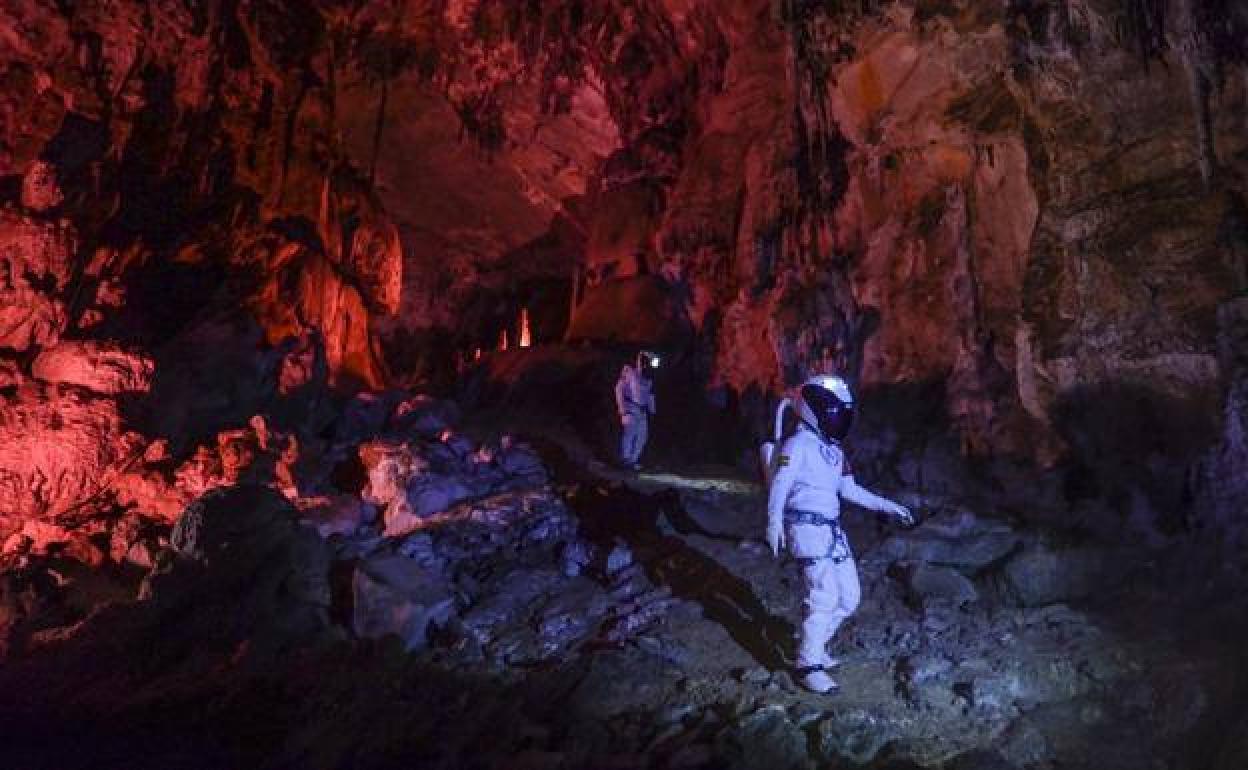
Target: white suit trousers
[[832, 595]]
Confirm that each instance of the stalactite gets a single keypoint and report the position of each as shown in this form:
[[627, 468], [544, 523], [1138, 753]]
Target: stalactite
[[378, 128], [1193, 44], [1144, 27], [288, 142], [1209, 36], [388, 73], [820, 177]]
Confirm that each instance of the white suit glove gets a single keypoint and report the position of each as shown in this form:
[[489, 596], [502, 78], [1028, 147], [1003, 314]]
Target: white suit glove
[[775, 537], [901, 512]]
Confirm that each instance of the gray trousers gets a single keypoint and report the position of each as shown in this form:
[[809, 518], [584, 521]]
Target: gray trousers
[[634, 430]]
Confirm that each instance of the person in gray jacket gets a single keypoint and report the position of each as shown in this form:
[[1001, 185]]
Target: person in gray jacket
[[634, 400], [811, 477]]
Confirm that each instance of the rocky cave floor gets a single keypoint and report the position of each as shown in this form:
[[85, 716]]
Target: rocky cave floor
[[525, 606]]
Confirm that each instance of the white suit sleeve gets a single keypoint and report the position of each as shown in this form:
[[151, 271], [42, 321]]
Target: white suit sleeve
[[621, 393], [782, 483], [851, 491]]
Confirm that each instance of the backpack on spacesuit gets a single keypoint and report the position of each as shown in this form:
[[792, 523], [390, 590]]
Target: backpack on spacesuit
[[769, 451]]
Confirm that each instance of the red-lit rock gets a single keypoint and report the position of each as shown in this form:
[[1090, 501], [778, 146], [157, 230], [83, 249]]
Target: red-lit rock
[[308, 290], [60, 450], [10, 374], [35, 268], [639, 310], [154, 492], [390, 468], [99, 367], [299, 366], [136, 541], [40, 189], [200, 473]]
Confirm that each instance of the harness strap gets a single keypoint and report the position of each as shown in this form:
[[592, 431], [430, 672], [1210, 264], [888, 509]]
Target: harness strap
[[838, 550], [810, 517]]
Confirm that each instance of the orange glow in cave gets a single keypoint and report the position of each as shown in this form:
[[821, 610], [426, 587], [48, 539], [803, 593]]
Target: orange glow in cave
[[526, 334]]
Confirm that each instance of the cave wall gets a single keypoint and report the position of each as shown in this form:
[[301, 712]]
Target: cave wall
[[1032, 212], [183, 250], [1034, 208], [201, 135], [1016, 200]]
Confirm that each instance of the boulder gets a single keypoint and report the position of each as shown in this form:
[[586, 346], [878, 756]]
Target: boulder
[[426, 496], [959, 540], [575, 557], [241, 567], [433, 494], [1043, 575], [396, 595], [927, 581]]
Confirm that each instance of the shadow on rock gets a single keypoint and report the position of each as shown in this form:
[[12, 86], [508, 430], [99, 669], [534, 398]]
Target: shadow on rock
[[613, 514]]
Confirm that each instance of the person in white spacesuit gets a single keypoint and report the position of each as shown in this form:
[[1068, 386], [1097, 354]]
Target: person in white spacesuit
[[811, 476], [634, 400]]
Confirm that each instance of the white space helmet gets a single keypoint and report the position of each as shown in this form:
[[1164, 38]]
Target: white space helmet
[[828, 406]]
